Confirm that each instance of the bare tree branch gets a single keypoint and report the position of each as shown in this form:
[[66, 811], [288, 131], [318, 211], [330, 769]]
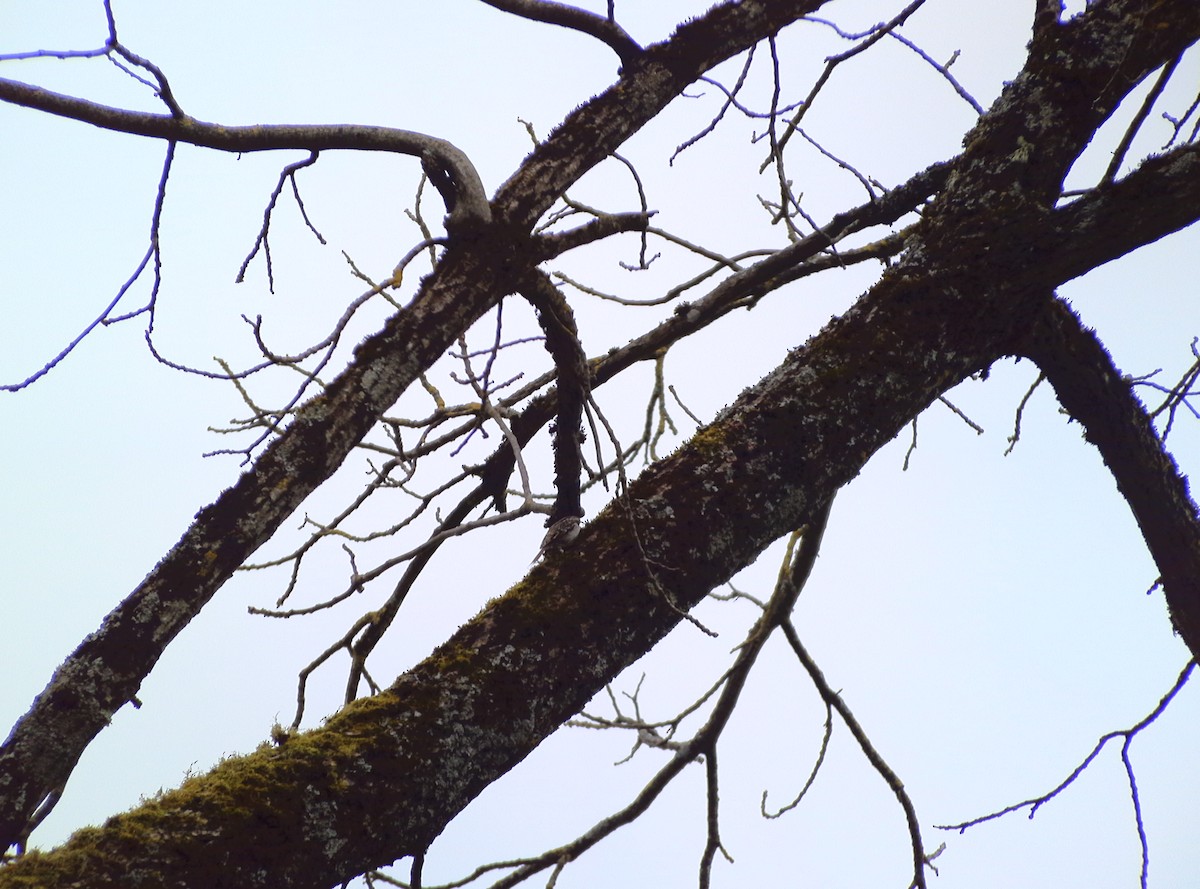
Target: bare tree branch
[[1161, 196], [603, 29], [977, 273], [1035, 803], [471, 208], [1094, 392]]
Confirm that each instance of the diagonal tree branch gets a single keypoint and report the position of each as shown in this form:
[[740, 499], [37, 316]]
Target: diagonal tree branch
[[584, 139], [482, 701], [1094, 392], [485, 698]]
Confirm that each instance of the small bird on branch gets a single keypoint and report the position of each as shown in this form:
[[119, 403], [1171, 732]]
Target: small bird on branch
[[561, 535]]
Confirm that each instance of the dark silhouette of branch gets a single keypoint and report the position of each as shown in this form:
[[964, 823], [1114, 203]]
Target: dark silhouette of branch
[[1180, 395], [150, 259], [594, 131], [263, 240], [869, 38], [1143, 112], [834, 700], [1127, 735]]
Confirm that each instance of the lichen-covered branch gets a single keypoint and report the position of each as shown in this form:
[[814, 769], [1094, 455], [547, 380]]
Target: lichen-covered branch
[[481, 702]]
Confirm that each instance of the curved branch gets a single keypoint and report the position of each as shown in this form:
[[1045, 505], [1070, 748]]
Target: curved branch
[[834, 700], [603, 29], [470, 209], [1127, 735]]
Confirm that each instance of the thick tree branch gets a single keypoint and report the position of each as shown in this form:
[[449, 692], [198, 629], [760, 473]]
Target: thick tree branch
[[483, 700]]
